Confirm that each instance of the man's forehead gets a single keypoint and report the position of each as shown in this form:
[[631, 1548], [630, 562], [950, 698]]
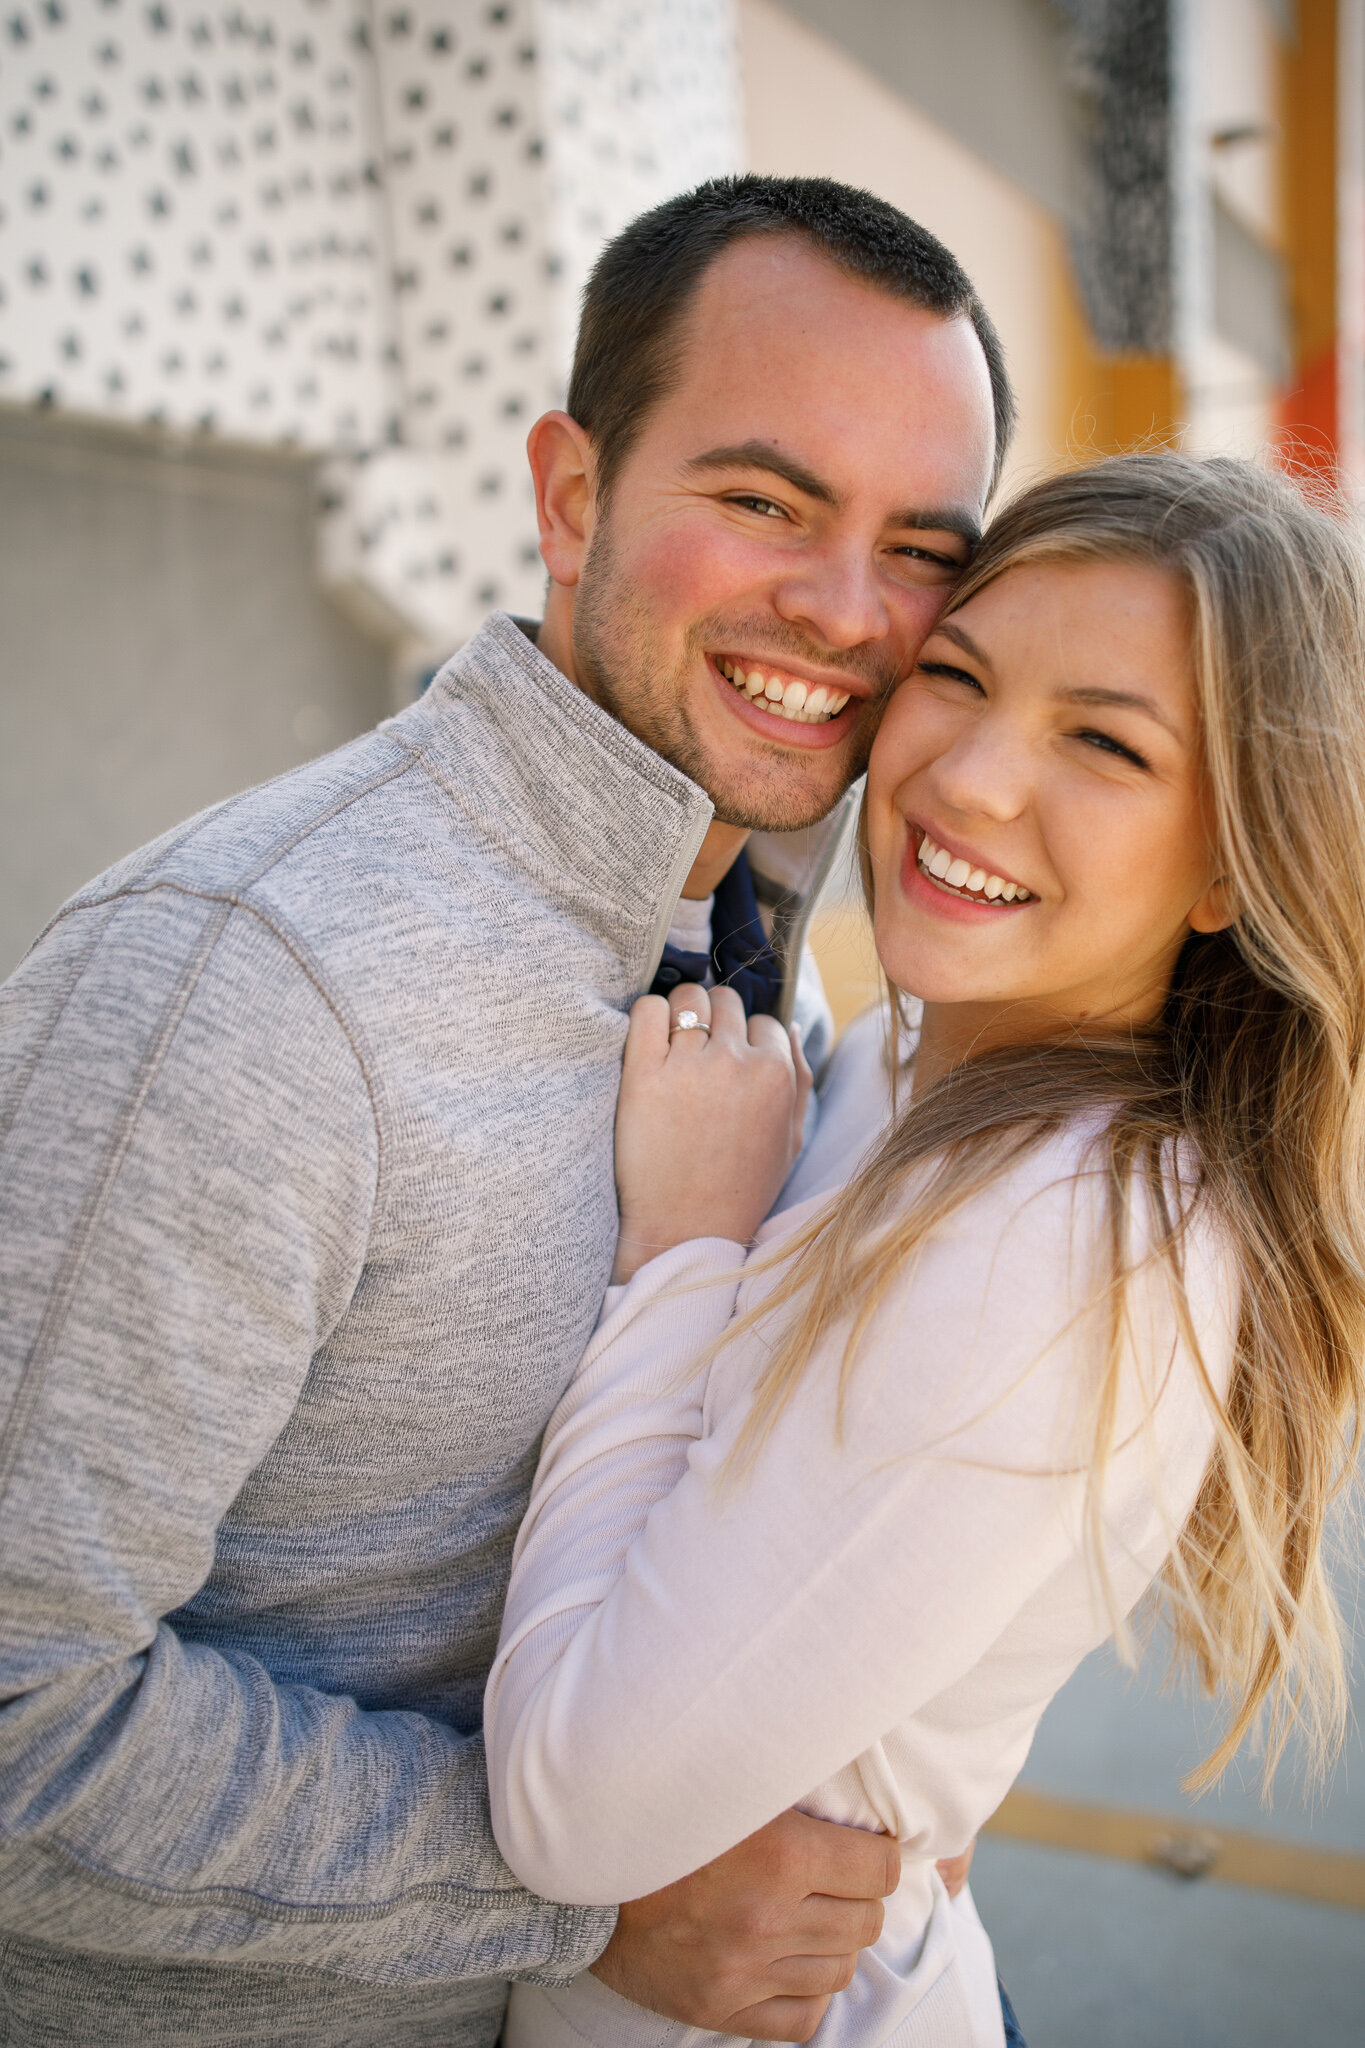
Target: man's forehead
[[783, 347], [917, 452]]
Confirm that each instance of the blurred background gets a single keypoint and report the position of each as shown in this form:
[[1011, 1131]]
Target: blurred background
[[282, 286]]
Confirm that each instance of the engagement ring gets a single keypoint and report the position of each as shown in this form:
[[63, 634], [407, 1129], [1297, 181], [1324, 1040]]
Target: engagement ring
[[688, 1020]]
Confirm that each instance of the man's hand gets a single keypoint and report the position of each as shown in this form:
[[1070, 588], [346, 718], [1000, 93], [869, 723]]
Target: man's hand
[[758, 1942]]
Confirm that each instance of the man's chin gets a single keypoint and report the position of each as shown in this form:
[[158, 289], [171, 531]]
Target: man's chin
[[773, 804]]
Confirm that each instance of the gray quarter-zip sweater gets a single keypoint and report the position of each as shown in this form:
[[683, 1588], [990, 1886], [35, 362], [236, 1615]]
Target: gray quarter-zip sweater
[[306, 1213]]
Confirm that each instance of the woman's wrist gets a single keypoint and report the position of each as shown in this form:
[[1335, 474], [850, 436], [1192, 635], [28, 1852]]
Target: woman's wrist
[[631, 1254], [636, 1248]]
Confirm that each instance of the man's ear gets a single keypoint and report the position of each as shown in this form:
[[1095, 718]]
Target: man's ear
[[1215, 910], [561, 459]]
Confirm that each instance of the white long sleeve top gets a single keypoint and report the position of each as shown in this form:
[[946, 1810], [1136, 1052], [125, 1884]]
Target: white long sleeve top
[[880, 1614]]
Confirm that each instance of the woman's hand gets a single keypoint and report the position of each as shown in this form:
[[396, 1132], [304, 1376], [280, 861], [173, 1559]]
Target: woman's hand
[[708, 1124]]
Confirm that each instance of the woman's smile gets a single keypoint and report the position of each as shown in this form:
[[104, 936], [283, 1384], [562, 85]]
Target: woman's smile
[[1036, 805], [963, 875]]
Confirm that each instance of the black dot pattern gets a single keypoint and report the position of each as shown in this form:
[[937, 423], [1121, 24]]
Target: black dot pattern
[[464, 157], [641, 100], [518, 137], [190, 221], [361, 226]]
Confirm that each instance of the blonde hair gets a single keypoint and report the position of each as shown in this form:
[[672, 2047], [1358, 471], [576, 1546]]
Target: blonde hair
[[1256, 1062]]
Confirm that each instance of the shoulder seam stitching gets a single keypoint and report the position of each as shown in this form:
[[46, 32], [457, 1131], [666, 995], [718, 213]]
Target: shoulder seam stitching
[[308, 966], [273, 854], [82, 1235]]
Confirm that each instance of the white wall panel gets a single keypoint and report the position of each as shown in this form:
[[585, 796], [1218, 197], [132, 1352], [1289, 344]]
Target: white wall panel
[[190, 230], [361, 226], [518, 137], [444, 528], [642, 99]]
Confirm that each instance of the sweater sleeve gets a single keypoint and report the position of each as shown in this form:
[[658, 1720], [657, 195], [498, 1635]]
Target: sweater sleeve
[[189, 1175], [669, 1686]]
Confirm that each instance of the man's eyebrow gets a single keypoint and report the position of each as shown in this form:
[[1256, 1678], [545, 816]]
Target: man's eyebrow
[[941, 519], [763, 455]]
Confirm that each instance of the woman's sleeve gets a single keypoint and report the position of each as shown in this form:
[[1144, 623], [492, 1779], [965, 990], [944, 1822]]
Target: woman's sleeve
[[713, 1649], [617, 1443]]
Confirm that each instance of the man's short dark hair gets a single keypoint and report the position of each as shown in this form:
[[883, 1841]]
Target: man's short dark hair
[[631, 334]]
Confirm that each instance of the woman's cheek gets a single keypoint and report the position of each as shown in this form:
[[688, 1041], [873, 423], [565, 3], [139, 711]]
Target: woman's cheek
[[899, 740], [885, 817]]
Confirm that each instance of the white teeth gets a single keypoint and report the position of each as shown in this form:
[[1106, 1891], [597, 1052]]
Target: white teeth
[[795, 700], [960, 876]]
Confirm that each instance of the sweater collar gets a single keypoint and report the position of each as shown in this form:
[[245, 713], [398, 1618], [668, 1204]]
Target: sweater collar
[[599, 822]]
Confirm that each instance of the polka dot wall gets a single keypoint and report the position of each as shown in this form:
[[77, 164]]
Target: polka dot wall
[[357, 226], [641, 100], [191, 229], [444, 525]]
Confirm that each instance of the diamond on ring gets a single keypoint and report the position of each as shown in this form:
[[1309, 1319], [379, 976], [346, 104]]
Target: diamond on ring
[[688, 1020]]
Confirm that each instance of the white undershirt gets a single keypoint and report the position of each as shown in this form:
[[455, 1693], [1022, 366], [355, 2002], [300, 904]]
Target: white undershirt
[[690, 930], [883, 1617]]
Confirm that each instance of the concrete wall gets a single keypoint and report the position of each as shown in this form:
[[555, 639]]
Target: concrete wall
[[994, 73], [812, 109], [165, 643]]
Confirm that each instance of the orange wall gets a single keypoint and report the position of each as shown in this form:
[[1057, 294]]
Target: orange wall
[[1308, 415]]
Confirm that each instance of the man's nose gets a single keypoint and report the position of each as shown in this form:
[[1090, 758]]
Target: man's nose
[[835, 596]]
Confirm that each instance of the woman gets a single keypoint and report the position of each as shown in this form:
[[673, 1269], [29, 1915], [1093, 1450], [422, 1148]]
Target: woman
[[845, 1512]]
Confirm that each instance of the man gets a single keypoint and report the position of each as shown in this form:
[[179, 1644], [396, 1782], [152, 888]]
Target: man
[[307, 1205]]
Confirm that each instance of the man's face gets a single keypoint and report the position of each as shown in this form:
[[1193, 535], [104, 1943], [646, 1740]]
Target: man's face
[[791, 519]]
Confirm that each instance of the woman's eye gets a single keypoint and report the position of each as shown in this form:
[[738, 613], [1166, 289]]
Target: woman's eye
[[950, 674], [1107, 744]]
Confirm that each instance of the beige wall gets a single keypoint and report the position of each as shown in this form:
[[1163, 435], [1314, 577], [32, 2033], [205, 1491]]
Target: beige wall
[[812, 110], [1235, 79]]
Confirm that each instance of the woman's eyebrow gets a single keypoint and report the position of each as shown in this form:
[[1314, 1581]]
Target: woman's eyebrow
[[960, 637], [1124, 700], [1084, 693]]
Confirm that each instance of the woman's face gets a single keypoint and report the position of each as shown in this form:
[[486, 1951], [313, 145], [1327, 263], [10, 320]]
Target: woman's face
[[1036, 804]]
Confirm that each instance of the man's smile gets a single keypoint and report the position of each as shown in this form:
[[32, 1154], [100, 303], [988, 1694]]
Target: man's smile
[[814, 718], [783, 695]]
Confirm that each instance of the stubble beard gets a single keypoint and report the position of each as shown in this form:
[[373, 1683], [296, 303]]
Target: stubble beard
[[613, 639]]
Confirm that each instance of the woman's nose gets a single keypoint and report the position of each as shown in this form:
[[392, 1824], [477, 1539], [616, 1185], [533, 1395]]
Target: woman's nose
[[985, 770]]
